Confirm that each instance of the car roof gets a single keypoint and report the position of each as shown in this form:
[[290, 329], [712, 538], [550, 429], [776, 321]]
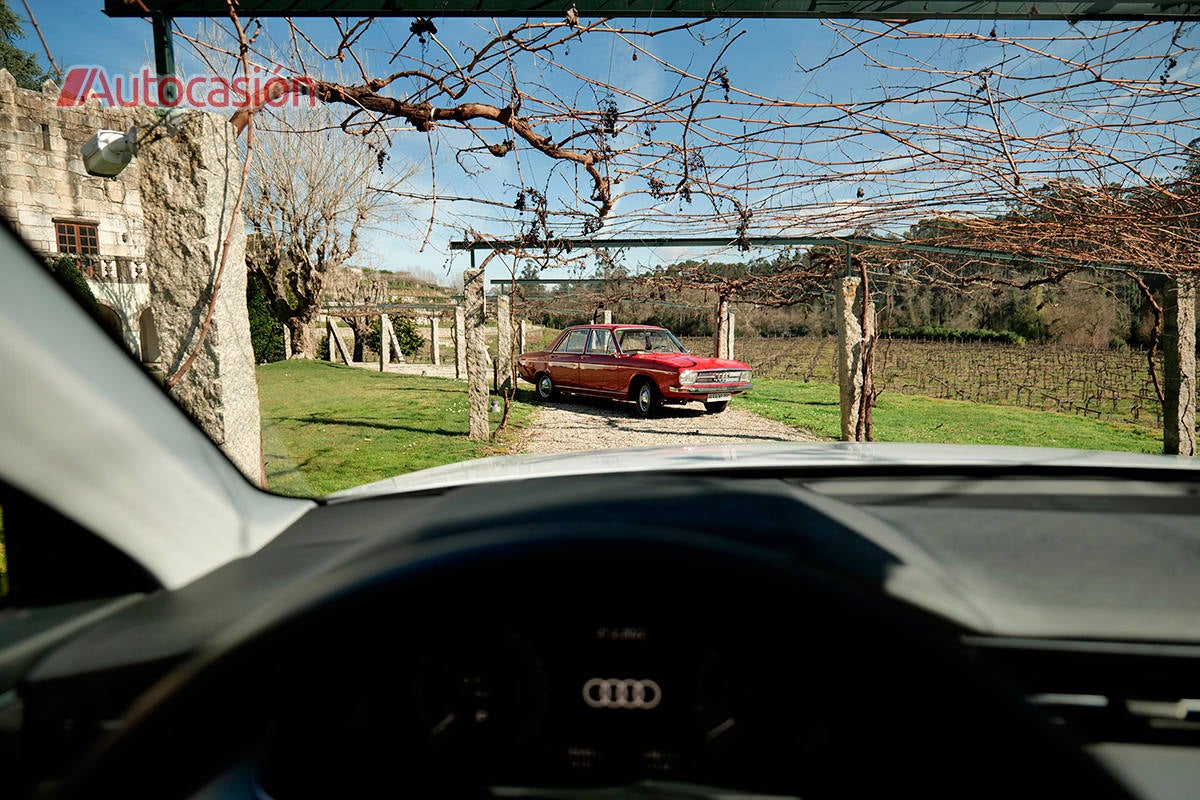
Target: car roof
[[612, 326]]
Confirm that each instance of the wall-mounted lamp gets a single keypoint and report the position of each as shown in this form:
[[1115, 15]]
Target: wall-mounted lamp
[[109, 152]]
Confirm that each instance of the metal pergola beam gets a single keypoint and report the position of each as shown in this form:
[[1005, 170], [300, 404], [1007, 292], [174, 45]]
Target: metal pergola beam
[[381, 309], [861, 9], [847, 243], [531, 281]]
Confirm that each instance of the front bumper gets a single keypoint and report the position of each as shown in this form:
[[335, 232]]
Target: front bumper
[[701, 390]]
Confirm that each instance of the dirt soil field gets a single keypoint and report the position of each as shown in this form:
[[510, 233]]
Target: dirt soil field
[[575, 424]]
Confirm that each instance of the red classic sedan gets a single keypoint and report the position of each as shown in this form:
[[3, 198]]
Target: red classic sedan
[[642, 363]]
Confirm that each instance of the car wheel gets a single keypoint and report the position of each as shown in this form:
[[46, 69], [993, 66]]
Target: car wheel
[[717, 407], [646, 398], [545, 386]]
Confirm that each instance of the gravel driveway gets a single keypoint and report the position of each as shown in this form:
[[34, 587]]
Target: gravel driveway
[[587, 424]]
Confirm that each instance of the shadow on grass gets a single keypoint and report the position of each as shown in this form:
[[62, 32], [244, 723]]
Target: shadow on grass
[[427, 389], [358, 423], [824, 403]]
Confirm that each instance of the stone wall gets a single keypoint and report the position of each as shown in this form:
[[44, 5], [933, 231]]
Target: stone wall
[[42, 180], [42, 176]]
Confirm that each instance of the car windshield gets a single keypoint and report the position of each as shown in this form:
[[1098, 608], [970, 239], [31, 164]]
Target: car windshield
[[648, 340], [349, 247]]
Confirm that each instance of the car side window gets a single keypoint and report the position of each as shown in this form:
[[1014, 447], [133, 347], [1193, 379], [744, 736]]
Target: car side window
[[634, 341], [601, 342], [574, 343]]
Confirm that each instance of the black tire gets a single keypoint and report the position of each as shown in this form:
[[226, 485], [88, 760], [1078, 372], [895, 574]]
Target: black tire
[[717, 407], [544, 386], [646, 399]]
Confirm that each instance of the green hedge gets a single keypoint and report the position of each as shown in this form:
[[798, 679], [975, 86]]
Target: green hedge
[[954, 335], [266, 334], [68, 274]]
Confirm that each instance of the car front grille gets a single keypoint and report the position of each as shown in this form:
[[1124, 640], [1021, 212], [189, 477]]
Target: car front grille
[[719, 376]]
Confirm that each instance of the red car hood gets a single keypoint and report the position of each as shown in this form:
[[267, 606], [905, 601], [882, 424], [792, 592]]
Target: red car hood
[[688, 361]]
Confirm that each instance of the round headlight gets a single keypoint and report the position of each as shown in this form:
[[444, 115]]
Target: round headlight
[[686, 377]]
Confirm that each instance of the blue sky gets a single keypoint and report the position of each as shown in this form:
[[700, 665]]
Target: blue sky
[[764, 59]]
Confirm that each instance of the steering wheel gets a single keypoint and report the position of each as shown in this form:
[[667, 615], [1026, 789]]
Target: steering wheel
[[953, 728]]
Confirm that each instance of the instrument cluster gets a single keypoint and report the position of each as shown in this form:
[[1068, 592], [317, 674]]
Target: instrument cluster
[[600, 702]]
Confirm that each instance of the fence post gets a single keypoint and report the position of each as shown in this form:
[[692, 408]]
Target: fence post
[[729, 320], [1179, 366], [608, 316], [852, 345], [435, 351], [504, 343], [391, 333], [720, 324], [460, 343], [335, 341], [385, 343], [287, 342], [477, 377]]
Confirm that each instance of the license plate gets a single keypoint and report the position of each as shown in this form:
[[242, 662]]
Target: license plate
[[716, 398]]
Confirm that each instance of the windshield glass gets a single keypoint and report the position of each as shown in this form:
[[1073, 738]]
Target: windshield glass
[[348, 248], [648, 340]]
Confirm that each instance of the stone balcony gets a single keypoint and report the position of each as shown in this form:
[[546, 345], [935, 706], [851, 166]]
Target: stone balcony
[[105, 269]]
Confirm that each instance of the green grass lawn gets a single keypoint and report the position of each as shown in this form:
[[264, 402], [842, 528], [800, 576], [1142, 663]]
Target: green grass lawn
[[902, 418], [328, 427]]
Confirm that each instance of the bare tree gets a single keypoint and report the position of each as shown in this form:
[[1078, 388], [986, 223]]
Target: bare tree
[[312, 193], [351, 287]]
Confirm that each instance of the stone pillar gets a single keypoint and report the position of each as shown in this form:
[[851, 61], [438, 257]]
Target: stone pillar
[[852, 340], [336, 345], [729, 327], [720, 325], [390, 331], [435, 346], [504, 344], [287, 342], [385, 342], [607, 316], [189, 186], [477, 360], [1179, 367], [460, 343]]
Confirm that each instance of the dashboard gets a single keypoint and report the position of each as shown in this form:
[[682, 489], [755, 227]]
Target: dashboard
[[604, 691], [580, 638]]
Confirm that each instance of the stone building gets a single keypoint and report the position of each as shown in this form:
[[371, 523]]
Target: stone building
[[61, 211]]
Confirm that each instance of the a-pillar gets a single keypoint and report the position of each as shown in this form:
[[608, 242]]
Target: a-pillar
[[504, 344], [720, 326], [1179, 367], [477, 356], [460, 343], [435, 347], [853, 342]]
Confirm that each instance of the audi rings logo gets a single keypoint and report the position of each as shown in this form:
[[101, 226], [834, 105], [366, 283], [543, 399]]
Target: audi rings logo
[[622, 693]]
